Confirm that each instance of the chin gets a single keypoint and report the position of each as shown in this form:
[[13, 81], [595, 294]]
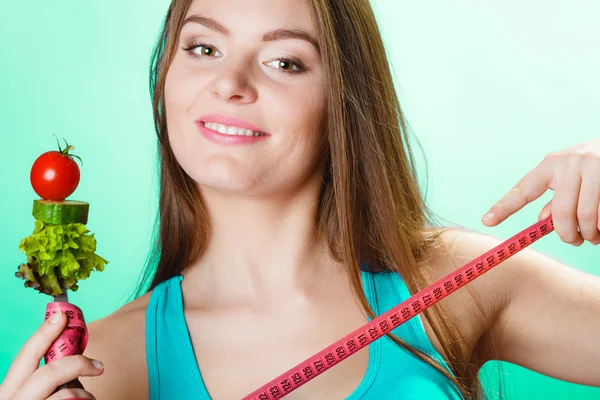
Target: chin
[[222, 186], [218, 171], [224, 180]]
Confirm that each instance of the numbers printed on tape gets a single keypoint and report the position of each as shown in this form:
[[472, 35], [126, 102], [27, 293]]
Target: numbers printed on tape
[[73, 340], [386, 322]]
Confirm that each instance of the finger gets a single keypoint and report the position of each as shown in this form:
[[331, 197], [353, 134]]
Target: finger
[[43, 382], [72, 394], [529, 188], [546, 211], [598, 219], [28, 358], [564, 204], [587, 207]]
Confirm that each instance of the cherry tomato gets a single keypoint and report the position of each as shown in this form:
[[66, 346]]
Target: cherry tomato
[[55, 175]]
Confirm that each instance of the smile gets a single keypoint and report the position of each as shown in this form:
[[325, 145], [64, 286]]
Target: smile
[[231, 130]]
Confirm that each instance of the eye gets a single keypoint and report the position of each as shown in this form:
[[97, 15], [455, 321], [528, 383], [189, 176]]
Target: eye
[[206, 50], [286, 65], [289, 65]]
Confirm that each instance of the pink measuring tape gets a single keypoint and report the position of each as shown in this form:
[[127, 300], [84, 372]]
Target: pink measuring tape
[[72, 340], [378, 327], [74, 337]]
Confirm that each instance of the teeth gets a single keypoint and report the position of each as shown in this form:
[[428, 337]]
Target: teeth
[[231, 130]]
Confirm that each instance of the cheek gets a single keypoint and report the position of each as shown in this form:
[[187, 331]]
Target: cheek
[[183, 85], [176, 99], [177, 92], [303, 148], [310, 118], [180, 95]]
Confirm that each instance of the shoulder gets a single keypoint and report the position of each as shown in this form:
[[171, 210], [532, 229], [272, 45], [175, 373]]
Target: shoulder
[[457, 247], [119, 341], [476, 306], [534, 307]]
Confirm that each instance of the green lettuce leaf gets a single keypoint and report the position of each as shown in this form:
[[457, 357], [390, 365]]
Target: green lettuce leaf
[[58, 256]]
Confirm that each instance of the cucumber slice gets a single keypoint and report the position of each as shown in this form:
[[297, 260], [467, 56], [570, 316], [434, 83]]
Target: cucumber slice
[[61, 212]]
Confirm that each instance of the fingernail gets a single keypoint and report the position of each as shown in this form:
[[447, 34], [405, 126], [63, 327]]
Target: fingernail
[[55, 317], [98, 364], [489, 215]]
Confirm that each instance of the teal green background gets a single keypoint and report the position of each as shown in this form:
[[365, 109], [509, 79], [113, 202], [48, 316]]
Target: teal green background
[[488, 89]]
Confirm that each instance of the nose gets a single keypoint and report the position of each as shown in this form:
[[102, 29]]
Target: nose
[[233, 82]]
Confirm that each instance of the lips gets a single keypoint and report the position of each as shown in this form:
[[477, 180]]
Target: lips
[[232, 121], [228, 140]]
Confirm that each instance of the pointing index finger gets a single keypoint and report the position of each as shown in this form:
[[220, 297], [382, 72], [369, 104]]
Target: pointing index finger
[[529, 188]]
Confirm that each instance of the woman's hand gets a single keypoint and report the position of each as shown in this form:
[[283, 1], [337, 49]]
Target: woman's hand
[[574, 175], [25, 381]]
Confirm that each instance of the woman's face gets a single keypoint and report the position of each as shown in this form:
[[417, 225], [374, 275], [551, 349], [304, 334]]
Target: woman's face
[[275, 84]]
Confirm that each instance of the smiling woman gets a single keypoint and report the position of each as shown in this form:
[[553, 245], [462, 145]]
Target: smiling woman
[[290, 215], [290, 70], [305, 206]]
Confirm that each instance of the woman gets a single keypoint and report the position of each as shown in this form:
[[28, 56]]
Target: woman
[[290, 215]]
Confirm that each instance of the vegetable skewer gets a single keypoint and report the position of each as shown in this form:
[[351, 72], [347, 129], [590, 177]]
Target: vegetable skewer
[[60, 251]]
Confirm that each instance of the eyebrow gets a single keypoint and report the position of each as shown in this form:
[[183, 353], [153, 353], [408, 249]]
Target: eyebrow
[[277, 34]]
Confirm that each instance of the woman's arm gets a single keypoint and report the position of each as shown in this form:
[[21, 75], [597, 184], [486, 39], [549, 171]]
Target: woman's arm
[[551, 321], [530, 310]]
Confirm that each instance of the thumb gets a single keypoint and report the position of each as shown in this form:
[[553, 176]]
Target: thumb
[[546, 211]]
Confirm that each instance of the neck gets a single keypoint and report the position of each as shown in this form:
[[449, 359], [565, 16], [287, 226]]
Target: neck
[[261, 249]]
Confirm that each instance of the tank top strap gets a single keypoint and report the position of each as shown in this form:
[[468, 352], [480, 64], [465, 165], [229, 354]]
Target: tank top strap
[[391, 291], [173, 372], [402, 374], [172, 367]]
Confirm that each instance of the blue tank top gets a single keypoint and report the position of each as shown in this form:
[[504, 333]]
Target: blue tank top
[[392, 372]]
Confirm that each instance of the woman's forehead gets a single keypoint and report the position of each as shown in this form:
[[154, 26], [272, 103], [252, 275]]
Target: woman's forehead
[[265, 14]]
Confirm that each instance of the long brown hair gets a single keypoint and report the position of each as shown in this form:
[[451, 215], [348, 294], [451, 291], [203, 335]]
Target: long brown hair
[[371, 206]]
